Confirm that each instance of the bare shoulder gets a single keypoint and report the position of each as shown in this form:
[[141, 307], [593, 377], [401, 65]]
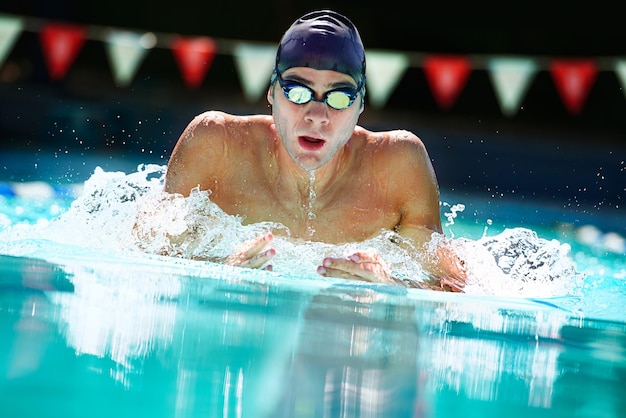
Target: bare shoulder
[[213, 118], [214, 122], [403, 156], [200, 153], [400, 156], [399, 145], [214, 129]]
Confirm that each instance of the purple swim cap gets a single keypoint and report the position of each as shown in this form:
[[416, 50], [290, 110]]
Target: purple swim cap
[[324, 40]]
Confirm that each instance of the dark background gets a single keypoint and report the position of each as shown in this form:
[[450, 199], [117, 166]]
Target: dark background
[[574, 162]]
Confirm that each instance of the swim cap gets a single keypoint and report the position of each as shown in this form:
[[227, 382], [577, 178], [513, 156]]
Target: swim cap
[[324, 40]]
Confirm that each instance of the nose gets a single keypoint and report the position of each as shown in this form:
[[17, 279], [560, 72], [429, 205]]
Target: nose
[[316, 112]]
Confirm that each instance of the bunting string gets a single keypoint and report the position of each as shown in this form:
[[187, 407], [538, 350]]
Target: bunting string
[[446, 75]]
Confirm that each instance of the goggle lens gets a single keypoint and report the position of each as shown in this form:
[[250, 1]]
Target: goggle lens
[[338, 100], [298, 94]]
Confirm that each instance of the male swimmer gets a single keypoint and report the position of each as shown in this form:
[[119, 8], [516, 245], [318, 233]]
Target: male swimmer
[[260, 167]]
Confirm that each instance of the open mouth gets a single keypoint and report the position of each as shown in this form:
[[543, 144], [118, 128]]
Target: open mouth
[[311, 143]]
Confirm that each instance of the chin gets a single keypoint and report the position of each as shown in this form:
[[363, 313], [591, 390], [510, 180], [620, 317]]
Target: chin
[[309, 164]]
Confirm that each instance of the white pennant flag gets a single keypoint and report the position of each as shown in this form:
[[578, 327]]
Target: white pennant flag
[[126, 51], [620, 69], [255, 63], [10, 28], [384, 70], [511, 79]]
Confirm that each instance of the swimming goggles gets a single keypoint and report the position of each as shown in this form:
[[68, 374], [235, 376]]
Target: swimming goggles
[[338, 99]]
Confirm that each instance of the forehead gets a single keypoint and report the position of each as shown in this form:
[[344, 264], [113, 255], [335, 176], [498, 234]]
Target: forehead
[[324, 78]]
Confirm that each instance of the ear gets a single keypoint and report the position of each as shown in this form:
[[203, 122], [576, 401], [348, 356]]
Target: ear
[[362, 101], [270, 94]]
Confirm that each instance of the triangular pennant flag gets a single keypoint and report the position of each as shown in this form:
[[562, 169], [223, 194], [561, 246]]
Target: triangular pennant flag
[[384, 70], [61, 43], [255, 63], [511, 78], [126, 51], [446, 76], [573, 79], [10, 28], [620, 69], [194, 57]]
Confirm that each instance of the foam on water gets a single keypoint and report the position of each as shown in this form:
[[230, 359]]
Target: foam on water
[[130, 213]]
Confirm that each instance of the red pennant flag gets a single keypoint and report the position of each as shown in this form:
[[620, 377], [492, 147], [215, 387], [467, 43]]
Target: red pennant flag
[[61, 43], [194, 57], [446, 76], [573, 79]]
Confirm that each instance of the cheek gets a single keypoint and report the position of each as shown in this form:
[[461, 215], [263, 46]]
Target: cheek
[[285, 113], [349, 124], [279, 122], [351, 120]]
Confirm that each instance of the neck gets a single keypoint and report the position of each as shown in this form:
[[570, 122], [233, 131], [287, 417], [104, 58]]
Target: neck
[[290, 176]]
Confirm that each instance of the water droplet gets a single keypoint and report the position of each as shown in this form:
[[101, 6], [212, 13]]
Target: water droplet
[[312, 195]]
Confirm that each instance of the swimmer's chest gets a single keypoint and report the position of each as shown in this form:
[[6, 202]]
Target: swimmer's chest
[[343, 214]]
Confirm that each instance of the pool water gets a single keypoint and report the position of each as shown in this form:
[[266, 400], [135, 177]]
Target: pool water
[[93, 326]]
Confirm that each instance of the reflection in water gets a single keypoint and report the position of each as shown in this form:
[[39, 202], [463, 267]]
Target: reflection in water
[[124, 319], [495, 366], [28, 278], [356, 357], [593, 369], [106, 339]]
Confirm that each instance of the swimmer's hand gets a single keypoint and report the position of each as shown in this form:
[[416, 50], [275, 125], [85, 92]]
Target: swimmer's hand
[[449, 284], [254, 254], [454, 282], [450, 277], [367, 266], [453, 270]]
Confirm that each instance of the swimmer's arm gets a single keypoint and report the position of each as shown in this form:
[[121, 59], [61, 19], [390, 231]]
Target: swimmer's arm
[[369, 266], [198, 154], [441, 260], [420, 221]]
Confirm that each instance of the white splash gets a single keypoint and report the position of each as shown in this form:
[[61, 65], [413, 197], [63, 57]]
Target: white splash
[[131, 213]]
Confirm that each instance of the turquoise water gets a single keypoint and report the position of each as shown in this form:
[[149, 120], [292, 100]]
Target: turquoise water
[[92, 328]]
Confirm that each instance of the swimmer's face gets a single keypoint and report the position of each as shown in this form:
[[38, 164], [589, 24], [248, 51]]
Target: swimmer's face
[[312, 133]]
